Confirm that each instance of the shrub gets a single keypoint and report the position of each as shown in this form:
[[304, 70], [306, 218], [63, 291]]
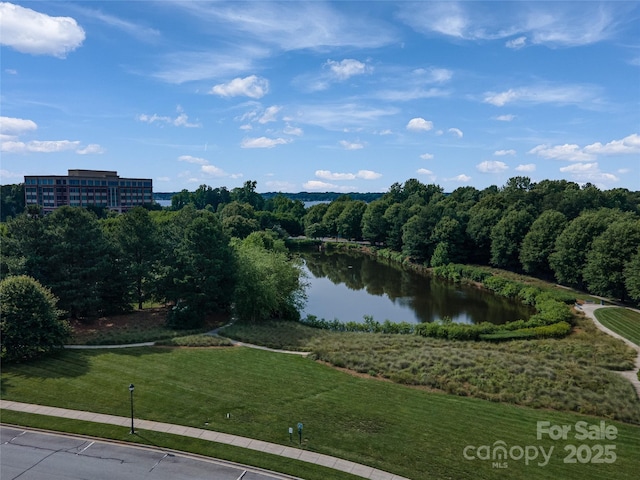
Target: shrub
[[29, 320]]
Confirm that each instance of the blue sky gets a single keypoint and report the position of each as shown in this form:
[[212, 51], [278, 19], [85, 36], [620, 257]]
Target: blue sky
[[322, 96]]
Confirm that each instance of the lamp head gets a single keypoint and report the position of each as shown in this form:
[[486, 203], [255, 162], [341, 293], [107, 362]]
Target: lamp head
[[131, 387]]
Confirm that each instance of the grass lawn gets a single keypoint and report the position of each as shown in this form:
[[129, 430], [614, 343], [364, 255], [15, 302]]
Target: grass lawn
[[409, 431], [622, 321], [572, 373]]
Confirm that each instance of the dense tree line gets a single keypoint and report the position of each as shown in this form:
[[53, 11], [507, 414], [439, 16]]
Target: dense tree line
[[577, 235], [184, 258], [580, 236]]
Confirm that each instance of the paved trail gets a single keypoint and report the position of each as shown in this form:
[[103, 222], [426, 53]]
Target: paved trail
[[631, 375], [210, 435]]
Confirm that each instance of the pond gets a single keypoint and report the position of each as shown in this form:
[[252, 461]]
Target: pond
[[348, 286]]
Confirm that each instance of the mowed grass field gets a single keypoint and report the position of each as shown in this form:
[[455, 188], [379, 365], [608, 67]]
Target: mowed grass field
[[622, 321], [413, 432]]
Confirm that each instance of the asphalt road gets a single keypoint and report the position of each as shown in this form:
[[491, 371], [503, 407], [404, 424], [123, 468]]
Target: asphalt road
[[31, 455]]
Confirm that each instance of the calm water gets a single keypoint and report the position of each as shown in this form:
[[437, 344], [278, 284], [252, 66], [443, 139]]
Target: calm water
[[347, 287]]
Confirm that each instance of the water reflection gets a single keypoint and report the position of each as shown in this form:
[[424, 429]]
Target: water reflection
[[349, 286]]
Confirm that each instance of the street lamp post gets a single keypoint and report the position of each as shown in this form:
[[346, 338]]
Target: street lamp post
[[131, 395]]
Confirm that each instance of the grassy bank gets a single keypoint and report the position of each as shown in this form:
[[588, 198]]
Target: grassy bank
[[572, 374], [622, 321], [408, 431]]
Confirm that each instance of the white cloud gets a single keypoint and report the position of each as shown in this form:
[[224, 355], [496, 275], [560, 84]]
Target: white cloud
[[427, 173], [190, 159], [213, 171], [456, 131], [28, 31], [39, 146], [351, 145], [16, 126], [342, 116], [446, 18], [294, 25], [529, 167], [628, 145], [328, 175], [555, 94], [589, 172], [251, 86], [347, 68], [368, 175], [333, 176], [491, 166], [92, 148], [181, 120], [289, 130], [263, 142], [516, 43], [572, 153], [50, 146], [143, 117], [269, 114], [566, 24], [419, 125], [500, 99], [408, 94], [135, 30], [502, 153], [318, 185], [426, 156], [505, 118], [461, 178]]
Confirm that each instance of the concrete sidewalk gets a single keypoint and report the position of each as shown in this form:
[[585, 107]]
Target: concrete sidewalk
[[243, 442]]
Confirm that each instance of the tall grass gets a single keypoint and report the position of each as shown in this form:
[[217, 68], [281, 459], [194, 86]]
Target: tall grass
[[572, 373]]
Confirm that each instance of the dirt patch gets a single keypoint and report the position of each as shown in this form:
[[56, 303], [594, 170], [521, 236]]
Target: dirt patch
[[141, 319], [136, 326]]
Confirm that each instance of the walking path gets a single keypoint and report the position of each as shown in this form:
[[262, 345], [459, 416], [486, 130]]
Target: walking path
[[631, 375], [243, 442]]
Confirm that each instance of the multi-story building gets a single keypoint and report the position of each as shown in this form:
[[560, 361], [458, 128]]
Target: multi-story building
[[82, 188]]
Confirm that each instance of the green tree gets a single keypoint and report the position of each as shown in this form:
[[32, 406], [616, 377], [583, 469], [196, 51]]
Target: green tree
[[417, 241], [396, 215], [247, 194], [25, 248], [349, 222], [570, 251], [239, 219], [507, 236], [11, 201], [374, 226], [539, 242], [78, 260], [448, 236], [202, 277], [330, 218], [136, 235], [268, 284], [632, 276], [603, 272], [29, 320], [483, 216]]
